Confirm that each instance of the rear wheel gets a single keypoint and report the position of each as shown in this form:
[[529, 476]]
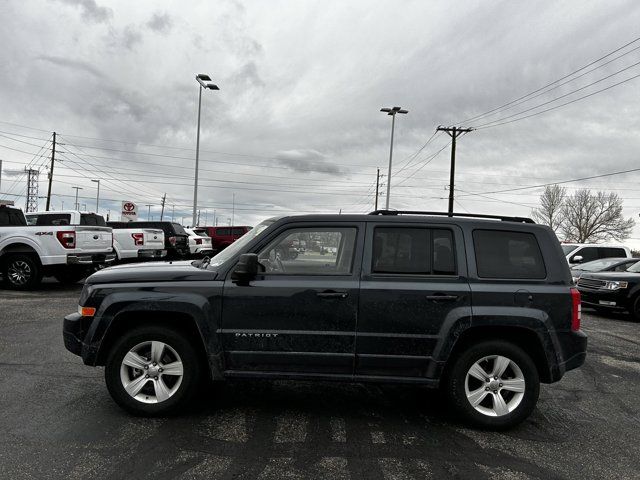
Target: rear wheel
[[493, 384], [152, 371], [21, 272], [635, 308]]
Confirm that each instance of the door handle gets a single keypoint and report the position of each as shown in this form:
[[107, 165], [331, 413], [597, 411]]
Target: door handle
[[441, 297], [332, 294]]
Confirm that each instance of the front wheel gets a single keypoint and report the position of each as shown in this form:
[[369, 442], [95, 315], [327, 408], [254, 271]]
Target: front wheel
[[152, 371], [493, 384]]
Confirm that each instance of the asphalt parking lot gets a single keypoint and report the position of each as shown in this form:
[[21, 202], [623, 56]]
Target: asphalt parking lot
[[58, 421]]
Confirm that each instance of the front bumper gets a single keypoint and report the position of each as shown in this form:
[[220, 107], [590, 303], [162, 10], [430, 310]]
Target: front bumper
[[90, 258], [74, 330], [610, 299]]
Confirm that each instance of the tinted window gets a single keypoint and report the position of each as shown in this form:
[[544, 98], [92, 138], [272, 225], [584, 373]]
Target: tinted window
[[567, 249], [413, 251], [331, 253], [612, 252], [9, 217], [223, 232], [238, 231], [53, 219], [502, 254], [178, 229], [92, 219], [588, 254]]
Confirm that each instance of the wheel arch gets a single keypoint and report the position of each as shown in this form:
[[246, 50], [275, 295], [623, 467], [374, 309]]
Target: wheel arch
[[529, 340], [20, 248]]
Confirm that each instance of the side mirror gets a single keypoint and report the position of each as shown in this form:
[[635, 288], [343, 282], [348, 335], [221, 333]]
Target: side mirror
[[577, 259], [246, 269]]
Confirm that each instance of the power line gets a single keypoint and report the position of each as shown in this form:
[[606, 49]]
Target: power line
[[552, 83]]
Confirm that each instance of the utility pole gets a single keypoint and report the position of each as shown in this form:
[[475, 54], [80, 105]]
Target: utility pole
[[53, 159], [0, 175], [173, 210], [77, 206], [198, 219], [233, 212], [377, 189], [32, 190], [148, 205], [164, 198], [453, 132]]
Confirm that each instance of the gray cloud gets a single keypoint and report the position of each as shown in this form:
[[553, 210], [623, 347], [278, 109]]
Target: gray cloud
[[131, 36], [91, 10], [73, 64], [160, 23], [306, 161]]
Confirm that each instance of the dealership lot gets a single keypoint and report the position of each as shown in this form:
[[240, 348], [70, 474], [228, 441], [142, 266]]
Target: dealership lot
[[58, 420]]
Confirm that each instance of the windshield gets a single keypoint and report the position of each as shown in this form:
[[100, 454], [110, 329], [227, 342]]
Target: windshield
[[239, 244], [597, 265], [635, 268], [567, 249]]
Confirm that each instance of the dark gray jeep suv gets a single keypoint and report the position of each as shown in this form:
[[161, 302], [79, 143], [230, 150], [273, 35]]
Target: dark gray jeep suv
[[480, 306]]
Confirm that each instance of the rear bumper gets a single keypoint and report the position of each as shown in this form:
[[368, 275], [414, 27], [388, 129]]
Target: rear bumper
[[574, 352], [90, 258], [152, 253]]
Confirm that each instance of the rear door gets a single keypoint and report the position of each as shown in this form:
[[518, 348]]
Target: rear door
[[413, 282], [93, 239], [153, 238]]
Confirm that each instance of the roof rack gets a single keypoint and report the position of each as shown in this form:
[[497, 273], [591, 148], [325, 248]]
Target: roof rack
[[446, 214]]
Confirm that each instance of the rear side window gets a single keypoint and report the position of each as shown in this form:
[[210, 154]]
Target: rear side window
[[417, 251], [504, 254], [612, 252], [238, 231], [223, 232], [92, 219], [178, 229], [13, 218]]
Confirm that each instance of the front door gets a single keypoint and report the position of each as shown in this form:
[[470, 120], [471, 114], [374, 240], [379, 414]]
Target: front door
[[413, 287], [299, 315]]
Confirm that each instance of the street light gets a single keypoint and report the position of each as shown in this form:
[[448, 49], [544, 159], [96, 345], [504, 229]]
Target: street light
[[201, 79], [76, 204], [97, 194], [392, 112]]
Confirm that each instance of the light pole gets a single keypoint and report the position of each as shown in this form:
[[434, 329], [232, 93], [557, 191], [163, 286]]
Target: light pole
[[392, 112], [76, 204], [97, 194], [201, 79]]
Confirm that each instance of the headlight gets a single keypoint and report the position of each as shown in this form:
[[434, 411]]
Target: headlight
[[611, 285]]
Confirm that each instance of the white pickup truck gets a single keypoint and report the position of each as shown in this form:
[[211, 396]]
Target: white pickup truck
[[129, 244], [67, 252], [137, 243]]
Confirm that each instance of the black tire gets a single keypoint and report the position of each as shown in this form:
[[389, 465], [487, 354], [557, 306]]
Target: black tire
[[455, 382], [21, 271], [71, 276], [184, 392], [635, 308]]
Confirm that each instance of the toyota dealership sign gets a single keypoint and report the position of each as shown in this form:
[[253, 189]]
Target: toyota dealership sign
[[129, 212]]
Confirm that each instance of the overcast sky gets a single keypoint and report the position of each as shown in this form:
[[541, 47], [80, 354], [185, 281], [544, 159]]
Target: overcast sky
[[296, 125]]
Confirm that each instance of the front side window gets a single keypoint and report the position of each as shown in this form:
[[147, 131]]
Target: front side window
[[504, 254], [417, 251], [329, 252], [588, 254]]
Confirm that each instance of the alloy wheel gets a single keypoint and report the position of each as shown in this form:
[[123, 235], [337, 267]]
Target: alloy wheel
[[494, 385], [151, 372], [19, 272]]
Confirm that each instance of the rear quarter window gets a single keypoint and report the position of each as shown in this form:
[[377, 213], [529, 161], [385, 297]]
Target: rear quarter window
[[508, 255]]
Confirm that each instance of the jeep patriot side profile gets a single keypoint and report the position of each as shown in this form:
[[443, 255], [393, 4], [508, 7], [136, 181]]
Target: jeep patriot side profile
[[483, 308]]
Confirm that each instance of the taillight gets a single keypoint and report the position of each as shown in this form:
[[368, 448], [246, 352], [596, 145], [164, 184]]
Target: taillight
[[67, 238], [138, 239], [198, 241], [576, 310], [172, 240]]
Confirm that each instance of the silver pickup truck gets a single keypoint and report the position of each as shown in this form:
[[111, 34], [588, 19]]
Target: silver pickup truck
[[67, 252]]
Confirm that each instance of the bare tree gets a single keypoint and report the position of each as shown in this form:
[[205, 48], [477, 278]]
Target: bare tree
[[551, 212], [595, 217]]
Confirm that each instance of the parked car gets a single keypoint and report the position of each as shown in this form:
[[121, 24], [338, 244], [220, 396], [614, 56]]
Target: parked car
[[199, 244], [602, 265], [133, 244], [483, 308], [587, 252], [176, 240], [612, 291], [222, 237], [67, 252], [65, 217]]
